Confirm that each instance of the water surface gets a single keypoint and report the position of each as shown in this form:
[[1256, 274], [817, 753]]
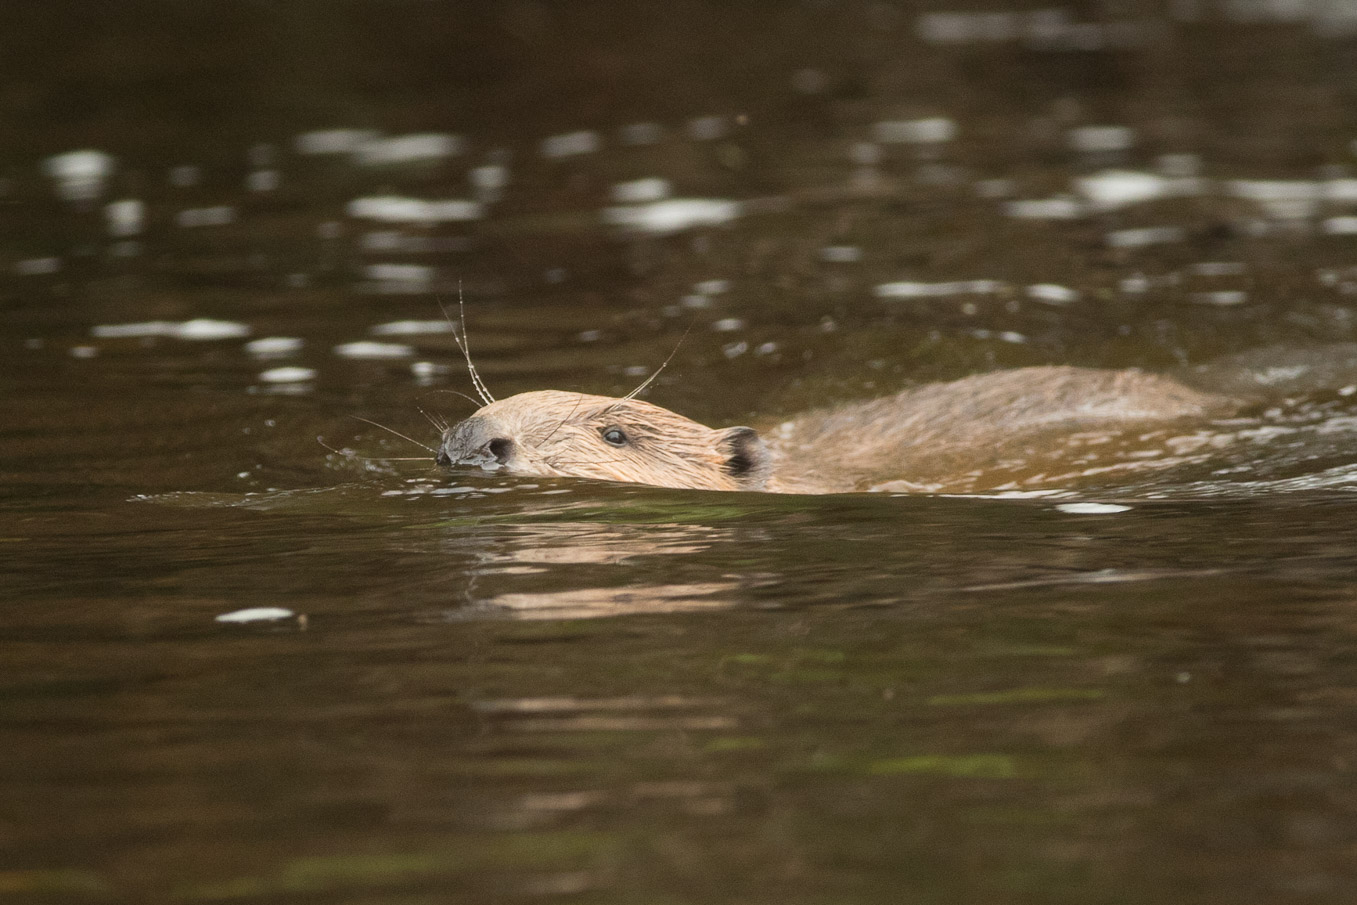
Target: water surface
[[478, 688]]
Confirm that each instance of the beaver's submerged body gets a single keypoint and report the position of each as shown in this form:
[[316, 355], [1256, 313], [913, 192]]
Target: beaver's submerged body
[[928, 437]]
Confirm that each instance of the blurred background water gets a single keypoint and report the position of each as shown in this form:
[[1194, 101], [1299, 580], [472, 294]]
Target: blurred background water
[[226, 229]]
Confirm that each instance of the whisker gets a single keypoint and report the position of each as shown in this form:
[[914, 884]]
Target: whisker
[[464, 344], [463, 395], [557, 461], [438, 423], [353, 455], [651, 379], [391, 431], [561, 423]]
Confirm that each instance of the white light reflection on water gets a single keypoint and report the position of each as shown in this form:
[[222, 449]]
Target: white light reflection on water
[[1091, 508], [1326, 18], [185, 176], [571, 144], [288, 375], [917, 290], [36, 267], [125, 218], [1053, 294], [593, 603], [1058, 208], [638, 191], [407, 149], [673, 215], [368, 349], [708, 128], [1222, 298], [488, 182], [1101, 139], [332, 141], [400, 209], [1146, 235], [640, 133], [1112, 189], [1294, 199], [411, 328], [1050, 29], [80, 175], [934, 130], [201, 328], [1340, 226], [256, 614], [274, 346], [420, 274], [196, 217]]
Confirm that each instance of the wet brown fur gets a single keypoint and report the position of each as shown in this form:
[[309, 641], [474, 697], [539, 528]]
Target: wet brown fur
[[922, 437], [556, 433]]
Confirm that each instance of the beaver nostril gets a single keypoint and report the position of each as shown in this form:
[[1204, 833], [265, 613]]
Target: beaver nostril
[[501, 449], [441, 457]]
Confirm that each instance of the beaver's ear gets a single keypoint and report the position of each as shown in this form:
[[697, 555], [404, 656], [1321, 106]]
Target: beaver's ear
[[747, 459]]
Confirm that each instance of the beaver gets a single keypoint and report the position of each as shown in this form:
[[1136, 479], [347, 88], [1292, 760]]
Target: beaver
[[933, 437]]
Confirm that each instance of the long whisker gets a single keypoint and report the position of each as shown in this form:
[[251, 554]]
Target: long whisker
[[396, 432], [651, 379], [463, 395], [464, 344], [471, 369], [352, 455]]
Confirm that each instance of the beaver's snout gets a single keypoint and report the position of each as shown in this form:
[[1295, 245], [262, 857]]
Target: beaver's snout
[[476, 441]]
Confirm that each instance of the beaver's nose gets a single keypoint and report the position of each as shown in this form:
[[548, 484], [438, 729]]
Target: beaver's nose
[[501, 448], [476, 441]]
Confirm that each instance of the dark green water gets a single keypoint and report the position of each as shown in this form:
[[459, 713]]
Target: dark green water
[[497, 690]]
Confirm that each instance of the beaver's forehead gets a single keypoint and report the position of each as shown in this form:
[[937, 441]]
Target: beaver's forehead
[[559, 406], [556, 404]]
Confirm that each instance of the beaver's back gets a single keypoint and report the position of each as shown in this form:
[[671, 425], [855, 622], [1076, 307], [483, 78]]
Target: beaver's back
[[942, 431]]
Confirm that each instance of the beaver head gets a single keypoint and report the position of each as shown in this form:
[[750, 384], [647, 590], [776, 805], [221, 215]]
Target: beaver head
[[554, 433]]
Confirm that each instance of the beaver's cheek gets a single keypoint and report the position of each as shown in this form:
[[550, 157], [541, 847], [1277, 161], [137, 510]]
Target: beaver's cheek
[[525, 462]]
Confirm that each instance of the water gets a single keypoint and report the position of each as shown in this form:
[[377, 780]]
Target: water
[[438, 686]]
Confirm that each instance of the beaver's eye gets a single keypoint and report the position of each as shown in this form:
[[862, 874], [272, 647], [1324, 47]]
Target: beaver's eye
[[614, 436]]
